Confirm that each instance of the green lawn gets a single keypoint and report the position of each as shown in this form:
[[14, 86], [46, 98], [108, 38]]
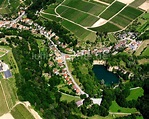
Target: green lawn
[[112, 10], [69, 98], [50, 17], [115, 107], [3, 106], [86, 6], [134, 94], [20, 112], [76, 16]]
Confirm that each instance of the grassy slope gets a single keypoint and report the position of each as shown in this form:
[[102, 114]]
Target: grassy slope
[[115, 107]]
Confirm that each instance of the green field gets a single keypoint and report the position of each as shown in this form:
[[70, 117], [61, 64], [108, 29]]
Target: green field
[[20, 112], [131, 12], [108, 27], [121, 20], [134, 94], [69, 98], [112, 38], [85, 6], [115, 107], [76, 16], [145, 52], [112, 10], [137, 3], [3, 105]]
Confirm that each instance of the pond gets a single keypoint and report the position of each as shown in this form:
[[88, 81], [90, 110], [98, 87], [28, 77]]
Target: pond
[[102, 73]]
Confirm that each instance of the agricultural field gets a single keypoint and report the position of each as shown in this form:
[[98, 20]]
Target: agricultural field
[[108, 27], [121, 20], [112, 10], [134, 94], [20, 112], [85, 6], [84, 18], [76, 16], [131, 12], [137, 3]]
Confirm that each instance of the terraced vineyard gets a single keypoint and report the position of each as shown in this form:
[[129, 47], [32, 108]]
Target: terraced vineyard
[[85, 17]]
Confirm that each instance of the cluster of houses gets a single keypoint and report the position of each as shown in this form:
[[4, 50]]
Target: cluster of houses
[[4, 69], [128, 41]]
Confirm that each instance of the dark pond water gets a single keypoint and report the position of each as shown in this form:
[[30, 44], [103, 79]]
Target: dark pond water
[[101, 72]]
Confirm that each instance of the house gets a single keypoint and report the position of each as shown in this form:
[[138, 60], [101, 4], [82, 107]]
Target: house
[[7, 74], [79, 103]]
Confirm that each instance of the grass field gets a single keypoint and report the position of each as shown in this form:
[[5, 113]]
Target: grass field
[[3, 105], [145, 52], [86, 6], [50, 17], [69, 98], [115, 107], [76, 16], [20, 112], [137, 3], [112, 10], [134, 94]]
